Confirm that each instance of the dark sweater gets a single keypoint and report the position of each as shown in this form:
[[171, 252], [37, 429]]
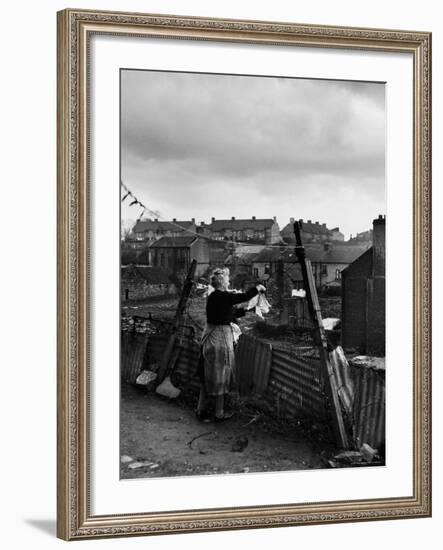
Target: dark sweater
[[220, 305]]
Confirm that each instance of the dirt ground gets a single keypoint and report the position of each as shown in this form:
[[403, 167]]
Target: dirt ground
[[163, 438]]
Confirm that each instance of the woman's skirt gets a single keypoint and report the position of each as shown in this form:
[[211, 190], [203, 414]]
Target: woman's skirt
[[218, 359]]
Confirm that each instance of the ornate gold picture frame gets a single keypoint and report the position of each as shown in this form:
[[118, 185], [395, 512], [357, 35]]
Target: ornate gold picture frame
[[75, 29]]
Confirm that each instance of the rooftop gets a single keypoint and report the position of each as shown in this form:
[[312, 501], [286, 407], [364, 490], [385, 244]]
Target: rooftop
[[309, 227], [235, 224], [156, 225], [317, 253], [174, 242]]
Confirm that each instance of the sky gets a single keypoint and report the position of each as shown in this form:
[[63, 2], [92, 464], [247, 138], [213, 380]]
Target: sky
[[210, 145]]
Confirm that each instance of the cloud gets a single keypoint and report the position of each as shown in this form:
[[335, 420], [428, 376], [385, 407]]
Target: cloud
[[187, 137]]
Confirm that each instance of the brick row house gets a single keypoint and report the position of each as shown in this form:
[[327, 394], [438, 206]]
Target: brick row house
[[311, 232], [253, 230]]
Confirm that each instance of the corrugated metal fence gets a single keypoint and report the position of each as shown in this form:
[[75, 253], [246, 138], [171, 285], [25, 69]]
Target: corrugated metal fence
[[144, 350], [361, 390], [287, 377], [294, 386]]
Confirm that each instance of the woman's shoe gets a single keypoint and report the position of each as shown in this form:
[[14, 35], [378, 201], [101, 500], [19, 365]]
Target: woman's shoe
[[225, 416], [203, 416]]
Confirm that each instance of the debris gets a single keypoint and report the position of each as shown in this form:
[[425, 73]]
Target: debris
[[136, 465], [349, 457], [240, 444], [197, 437], [254, 418], [125, 459], [145, 378], [376, 363], [330, 323], [167, 389], [368, 453], [154, 466]]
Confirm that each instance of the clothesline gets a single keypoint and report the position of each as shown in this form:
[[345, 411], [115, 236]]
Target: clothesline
[[157, 215]]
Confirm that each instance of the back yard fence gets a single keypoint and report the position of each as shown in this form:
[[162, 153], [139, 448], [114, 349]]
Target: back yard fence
[[286, 376]]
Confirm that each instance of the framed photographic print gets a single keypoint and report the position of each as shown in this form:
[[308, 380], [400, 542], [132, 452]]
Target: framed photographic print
[[243, 274]]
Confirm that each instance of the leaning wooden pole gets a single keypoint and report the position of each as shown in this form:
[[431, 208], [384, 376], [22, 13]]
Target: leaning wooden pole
[[315, 313], [184, 297]]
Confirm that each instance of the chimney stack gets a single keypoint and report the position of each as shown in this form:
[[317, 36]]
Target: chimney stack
[[253, 217], [275, 218], [379, 246], [193, 220], [323, 225], [292, 220], [213, 220], [174, 219], [309, 221], [316, 223], [202, 224], [156, 220]]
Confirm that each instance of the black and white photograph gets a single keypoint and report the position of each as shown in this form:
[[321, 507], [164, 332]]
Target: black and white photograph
[[252, 276]]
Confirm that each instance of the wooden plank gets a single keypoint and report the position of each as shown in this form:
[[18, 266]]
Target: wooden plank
[[165, 365], [315, 312]]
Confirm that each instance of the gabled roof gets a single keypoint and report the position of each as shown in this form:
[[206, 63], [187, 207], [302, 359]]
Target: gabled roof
[[274, 254], [362, 263], [336, 254], [152, 275], [152, 225], [307, 227], [256, 225], [174, 242]]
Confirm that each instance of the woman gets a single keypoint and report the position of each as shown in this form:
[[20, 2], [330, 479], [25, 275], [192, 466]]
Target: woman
[[217, 347]]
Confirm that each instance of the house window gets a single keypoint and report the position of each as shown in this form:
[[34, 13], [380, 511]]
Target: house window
[[324, 269], [255, 272], [337, 274]]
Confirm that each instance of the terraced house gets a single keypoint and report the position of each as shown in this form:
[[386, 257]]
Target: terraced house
[[311, 232], [253, 230]]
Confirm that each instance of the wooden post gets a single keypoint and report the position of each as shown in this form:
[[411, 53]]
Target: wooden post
[[280, 282], [315, 313], [166, 363]]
